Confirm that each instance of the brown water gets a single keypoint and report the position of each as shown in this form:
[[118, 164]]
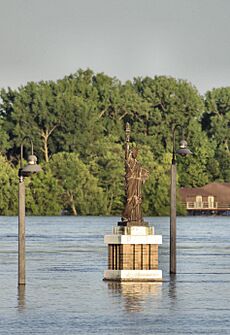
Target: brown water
[[65, 293]]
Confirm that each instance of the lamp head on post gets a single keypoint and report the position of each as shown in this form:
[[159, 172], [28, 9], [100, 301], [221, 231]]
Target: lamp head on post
[[183, 147], [184, 150], [31, 167]]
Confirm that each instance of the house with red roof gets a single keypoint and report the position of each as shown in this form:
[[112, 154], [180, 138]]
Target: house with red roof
[[213, 198]]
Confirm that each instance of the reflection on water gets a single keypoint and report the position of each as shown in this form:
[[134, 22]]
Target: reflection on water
[[172, 288], [21, 297], [134, 294]]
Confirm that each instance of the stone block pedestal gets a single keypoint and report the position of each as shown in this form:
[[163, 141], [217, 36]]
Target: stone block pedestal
[[133, 254]]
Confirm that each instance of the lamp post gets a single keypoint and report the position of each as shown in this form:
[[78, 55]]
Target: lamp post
[[182, 151], [31, 168]]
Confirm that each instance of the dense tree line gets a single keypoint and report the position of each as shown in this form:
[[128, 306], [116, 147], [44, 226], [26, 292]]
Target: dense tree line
[[77, 126]]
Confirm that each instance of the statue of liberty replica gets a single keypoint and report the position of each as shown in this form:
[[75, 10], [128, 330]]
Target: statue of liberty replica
[[135, 177], [133, 245]]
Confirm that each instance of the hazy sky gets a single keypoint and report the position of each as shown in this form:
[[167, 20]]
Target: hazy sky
[[47, 39]]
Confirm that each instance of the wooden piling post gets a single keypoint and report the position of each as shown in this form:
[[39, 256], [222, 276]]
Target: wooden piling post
[[21, 233], [173, 220]]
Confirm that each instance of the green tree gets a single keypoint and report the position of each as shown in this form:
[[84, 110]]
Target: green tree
[[216, 122], [170, 101], [117, 104], [156, 189], [35, 110], [80, 191], [108, 167], [9, 188], [7, 98], [86, 112], [195, 170], [38, 111], [43, 194], [4, 138]]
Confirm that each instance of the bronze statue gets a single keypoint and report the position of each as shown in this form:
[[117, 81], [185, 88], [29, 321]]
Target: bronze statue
[[135, 176]]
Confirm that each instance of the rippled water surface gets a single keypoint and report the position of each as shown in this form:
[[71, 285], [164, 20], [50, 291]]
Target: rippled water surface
[[65, 293]]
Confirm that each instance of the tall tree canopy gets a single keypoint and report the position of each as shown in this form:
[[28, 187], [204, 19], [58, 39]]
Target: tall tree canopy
[[77, 126], [216, 123]]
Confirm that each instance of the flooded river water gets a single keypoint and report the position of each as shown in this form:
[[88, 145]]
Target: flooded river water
[[65, 293]]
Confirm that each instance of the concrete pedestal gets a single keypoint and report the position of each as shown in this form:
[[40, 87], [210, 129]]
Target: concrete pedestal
[[133, 254]]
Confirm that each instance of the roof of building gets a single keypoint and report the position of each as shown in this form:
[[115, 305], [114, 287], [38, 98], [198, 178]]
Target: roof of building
[[219, 190]]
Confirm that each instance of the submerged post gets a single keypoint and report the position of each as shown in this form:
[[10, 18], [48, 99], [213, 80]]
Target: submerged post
[[182, 151], [31, 168], [21, 231], [133, 246], [173, 220]]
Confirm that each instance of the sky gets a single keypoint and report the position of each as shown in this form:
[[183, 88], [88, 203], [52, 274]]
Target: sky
[[48, 39]]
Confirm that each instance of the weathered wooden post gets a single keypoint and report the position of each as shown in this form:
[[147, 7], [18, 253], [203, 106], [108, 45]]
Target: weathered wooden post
[[21, 231], [173, 220], [182, 151], [31, 168]]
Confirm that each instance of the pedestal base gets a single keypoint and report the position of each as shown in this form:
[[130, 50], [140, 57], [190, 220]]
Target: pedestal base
[[133, 254], [133, 275]]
